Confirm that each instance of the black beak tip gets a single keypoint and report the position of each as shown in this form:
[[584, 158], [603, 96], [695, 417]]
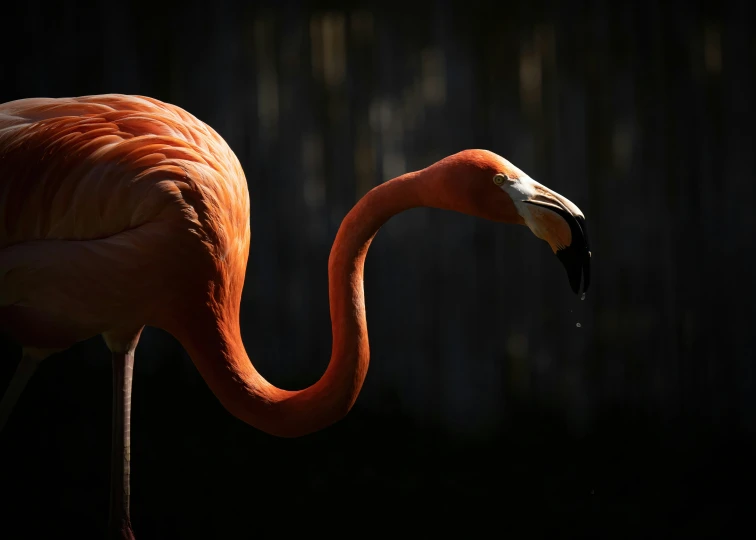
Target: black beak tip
[[577, 263]]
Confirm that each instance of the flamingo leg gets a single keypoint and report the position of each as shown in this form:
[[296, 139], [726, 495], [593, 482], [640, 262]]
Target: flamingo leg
[[26, 368], [119, 522]]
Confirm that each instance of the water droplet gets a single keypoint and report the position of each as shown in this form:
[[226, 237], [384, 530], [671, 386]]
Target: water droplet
[[578, 325], [582, 297]]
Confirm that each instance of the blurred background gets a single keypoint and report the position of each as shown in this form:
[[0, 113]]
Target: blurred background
[[495, 395]]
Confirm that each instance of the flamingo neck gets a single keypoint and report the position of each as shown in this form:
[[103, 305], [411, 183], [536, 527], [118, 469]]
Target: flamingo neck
[[215, 346]]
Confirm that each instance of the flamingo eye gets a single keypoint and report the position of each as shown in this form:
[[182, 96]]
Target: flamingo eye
[[500, 178]]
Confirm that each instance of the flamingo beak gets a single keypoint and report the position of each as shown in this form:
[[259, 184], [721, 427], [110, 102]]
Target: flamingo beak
[[576, 257]]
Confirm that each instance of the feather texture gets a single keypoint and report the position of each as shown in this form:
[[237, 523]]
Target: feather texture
[[99, 189]]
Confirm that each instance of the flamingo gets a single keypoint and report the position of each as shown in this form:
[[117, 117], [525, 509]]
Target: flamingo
[[124, 211]]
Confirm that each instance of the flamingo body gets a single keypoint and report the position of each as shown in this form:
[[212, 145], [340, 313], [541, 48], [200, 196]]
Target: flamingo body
[[100, 198]]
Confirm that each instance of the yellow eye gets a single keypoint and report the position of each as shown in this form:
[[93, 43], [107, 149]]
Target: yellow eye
[[500, 178]]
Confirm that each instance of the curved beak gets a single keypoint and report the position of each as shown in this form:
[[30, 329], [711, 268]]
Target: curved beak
[[576, 257]]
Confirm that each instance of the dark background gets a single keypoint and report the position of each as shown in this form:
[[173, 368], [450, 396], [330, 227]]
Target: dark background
[[485, 403]]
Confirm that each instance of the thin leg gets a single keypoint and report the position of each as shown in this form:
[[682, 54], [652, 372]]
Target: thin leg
[[119, 521], [26, 368]]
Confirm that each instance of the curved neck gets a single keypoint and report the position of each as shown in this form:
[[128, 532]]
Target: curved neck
[[214, 343]]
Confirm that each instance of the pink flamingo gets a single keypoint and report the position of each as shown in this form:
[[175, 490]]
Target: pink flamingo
[[123, 211]]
